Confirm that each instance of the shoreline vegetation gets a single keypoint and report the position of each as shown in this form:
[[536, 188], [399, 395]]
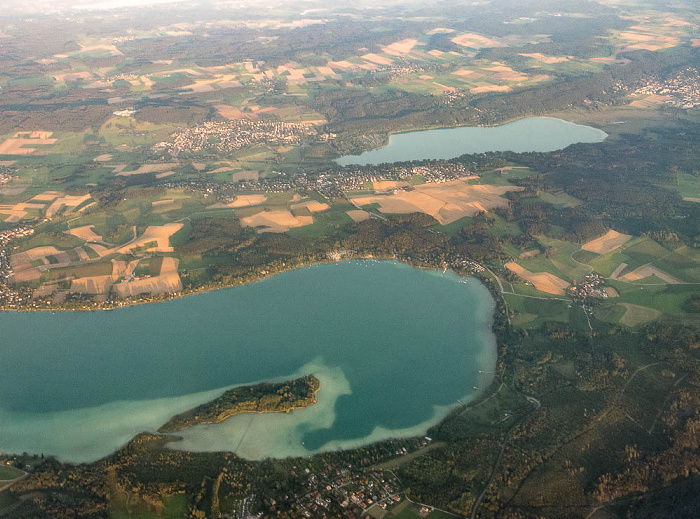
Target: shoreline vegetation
[[260, 273], [281, 397]]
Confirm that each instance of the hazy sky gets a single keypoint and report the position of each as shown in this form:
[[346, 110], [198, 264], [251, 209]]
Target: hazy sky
[[52, 6]]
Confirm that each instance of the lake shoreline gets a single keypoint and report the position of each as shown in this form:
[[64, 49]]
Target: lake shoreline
[[353, 159], [479, 352], [259, 276]]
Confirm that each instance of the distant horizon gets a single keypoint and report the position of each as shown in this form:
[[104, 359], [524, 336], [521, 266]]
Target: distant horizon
[[48, 7]]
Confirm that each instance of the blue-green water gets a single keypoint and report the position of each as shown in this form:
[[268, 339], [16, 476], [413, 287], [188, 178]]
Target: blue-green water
[[521, 136], [394, 348]]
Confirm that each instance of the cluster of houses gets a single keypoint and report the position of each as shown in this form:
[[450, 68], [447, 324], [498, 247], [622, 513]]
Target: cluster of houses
[[682, 90], [9, 296], [331, 184], [593, 286], [355, 492], [233, 135]]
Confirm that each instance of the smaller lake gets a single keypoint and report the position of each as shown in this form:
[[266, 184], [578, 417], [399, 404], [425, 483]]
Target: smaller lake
[[533, 134]]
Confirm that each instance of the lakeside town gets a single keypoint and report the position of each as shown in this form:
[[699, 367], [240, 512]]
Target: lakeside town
[[364, 484], [233, 135], [10, 296], [330, 184]]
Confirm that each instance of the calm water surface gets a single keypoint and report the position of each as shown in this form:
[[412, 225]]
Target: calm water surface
[[393, 346], [524, 135]]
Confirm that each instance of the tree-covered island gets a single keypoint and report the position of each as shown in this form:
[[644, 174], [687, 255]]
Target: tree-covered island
[[276, 397]]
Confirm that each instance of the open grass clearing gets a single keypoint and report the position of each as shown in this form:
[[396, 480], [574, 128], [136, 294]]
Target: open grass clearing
[[635, 315], [668, 299], [8, 473], [531, 312]]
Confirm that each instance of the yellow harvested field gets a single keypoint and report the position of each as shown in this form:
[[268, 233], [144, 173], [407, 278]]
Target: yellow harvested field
[[546, 59], [67, 201], [446, 202], [607, 243], [650, 101], [72, 76], [440, 30], [463, 72], [618, 270], [436, 53], [358, 215], [21, 260], [169, 266], [13, 213], [275, 221], [219, 170], [160, 234], [25, 275], [244, 175], [247, 200], [147, 82], [82, 254], [312, 205], [187, 71], [103, 158], [505, 73], [158, 203], [168, 281], [529, 254], [647, 41], [611, 292], [327, 71], [388, 185], [16, 145], [112, 49], [400, 48], [92, 284], [148, 168], [379, 60], [444, 88], [47, 196], [636, 314], [231, 113], [543, 281], [45, 290], [123, 268], [490, 88], [476, 41], [85, 232], [100, 250], [648, 270], [342, 65]]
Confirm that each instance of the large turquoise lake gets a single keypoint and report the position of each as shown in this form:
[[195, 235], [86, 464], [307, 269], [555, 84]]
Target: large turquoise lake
[[531, 134], [394, 347]]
